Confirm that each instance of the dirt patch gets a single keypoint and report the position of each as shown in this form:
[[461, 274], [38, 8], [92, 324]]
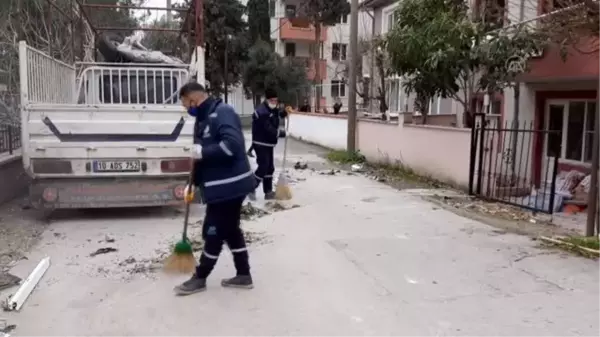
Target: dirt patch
[[395, 176], [249, 212], [573, 245], [506, 218], [20, 230], [134, 266], [252, 238]]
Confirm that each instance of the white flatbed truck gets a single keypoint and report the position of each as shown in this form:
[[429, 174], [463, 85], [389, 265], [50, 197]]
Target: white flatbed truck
[[103, 135]]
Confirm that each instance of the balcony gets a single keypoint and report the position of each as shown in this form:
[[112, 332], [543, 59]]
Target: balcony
[[580, 64], [299, 29], [308, 63]]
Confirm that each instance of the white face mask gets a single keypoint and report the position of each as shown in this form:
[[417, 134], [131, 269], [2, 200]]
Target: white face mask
[[272, 106]]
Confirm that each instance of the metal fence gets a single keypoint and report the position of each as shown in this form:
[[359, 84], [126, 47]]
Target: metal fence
[[10, 138], [507, 165]]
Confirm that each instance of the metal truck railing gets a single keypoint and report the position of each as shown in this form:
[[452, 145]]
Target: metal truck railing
[[50, 81], [134, 84], [43, 78]]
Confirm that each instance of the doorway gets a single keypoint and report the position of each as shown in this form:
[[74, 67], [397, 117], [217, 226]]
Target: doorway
[[570, 126]]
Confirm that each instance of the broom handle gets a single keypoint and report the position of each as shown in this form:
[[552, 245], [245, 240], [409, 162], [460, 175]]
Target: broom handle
[[285, 145], [190, 183]]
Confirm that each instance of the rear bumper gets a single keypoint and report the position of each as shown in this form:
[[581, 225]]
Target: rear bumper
[[106, 192]]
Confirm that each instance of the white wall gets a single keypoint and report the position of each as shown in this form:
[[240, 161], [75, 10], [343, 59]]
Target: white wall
[[329, 132], [238, 100]]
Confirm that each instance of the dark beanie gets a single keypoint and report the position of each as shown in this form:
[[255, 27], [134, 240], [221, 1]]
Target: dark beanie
[[270, 93]]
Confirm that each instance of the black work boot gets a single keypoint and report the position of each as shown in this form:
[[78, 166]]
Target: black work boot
[[191, 286], [270, 196], [240, 281]]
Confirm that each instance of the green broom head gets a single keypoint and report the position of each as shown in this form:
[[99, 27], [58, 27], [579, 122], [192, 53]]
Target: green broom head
[[183, 247]]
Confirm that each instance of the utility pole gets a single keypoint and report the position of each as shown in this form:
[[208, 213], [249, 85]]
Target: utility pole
[[169, 13], [225, 66], [351, 142], [593, 194], [199, 33]]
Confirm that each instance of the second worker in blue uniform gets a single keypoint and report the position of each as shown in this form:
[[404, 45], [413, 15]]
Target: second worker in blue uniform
[[265, 133]]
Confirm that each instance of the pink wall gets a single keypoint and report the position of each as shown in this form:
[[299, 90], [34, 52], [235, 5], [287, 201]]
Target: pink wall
[[439, 152], [436, 151]]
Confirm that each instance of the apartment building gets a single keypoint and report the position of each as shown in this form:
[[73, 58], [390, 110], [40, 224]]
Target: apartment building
[[555, 94], [398, 100], [294, 37]]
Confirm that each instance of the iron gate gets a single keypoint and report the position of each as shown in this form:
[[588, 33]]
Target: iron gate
[[511, 164]]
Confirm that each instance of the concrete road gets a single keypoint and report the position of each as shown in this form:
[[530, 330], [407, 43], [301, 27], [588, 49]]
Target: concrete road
[[355, 258]]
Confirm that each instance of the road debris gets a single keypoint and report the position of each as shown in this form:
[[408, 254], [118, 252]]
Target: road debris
[[59, 235], [108, 239], [249, 212], [133, 266], [569, 244], [8, 280], [253, 238], [104, 250], [275, 206], [250, 237], [357, 168], [506, 212], [300, 166], [6, 328], [330, 172], [16, 301]]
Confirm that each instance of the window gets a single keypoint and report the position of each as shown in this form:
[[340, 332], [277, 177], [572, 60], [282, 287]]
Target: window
[[290, 11], [338, 51], [272, 7], [434, 105], [393, 95], [311, 50], [575, 127], [290, 49], [589, 130], [343, 19], [555, 126], [492, 12], [390, 20], [571, 126], [495, 107], [554, 5], [338, 88]]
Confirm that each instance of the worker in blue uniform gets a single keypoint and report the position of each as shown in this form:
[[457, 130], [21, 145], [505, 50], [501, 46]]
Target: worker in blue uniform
[[224, 176], [265, 133]]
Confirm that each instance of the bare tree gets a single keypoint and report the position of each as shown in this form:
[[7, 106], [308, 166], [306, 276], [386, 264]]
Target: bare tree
[[371, 51], [44, 25]]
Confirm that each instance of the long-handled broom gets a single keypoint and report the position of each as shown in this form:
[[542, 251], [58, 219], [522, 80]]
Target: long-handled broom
[[182, 259], [282, 190]]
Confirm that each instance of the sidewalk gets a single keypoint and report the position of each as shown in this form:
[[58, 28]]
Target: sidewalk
[[355, 257]]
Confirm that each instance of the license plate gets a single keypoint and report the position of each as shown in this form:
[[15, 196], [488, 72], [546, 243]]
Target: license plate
[[117, 166]]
